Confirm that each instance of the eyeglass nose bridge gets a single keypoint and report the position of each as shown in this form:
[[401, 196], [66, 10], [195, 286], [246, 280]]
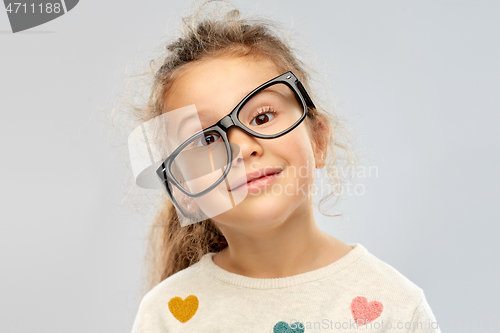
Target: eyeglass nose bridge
[[226, 123]]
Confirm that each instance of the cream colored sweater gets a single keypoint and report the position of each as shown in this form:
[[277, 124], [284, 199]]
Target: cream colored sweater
[[356, 289]]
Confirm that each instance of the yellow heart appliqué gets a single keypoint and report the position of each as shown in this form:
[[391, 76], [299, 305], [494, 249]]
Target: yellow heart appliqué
[[183, 310]]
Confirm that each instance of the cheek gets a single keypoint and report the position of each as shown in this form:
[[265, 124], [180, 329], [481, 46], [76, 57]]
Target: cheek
[[297, 150], [299, 143]]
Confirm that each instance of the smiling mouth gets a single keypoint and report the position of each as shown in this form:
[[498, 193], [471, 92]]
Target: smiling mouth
[[257, 183]]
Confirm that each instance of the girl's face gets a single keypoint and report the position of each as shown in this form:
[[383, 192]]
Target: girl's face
[[216, 86]]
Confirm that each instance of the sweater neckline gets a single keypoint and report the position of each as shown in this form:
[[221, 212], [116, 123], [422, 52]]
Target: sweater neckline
[[210, 268]]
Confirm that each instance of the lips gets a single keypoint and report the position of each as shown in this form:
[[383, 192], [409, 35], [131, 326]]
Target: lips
[[261, 173]]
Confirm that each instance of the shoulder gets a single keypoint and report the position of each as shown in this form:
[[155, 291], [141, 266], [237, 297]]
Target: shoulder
[[373, 279], [151, 316], [383, 276], [175, 284], [180, 284]]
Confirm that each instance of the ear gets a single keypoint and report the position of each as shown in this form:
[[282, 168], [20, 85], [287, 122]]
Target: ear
[[320, 139], [190, 205], [187, 203]]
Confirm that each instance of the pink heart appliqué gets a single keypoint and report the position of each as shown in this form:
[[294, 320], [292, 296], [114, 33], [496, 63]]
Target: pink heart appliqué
[[364, 312]]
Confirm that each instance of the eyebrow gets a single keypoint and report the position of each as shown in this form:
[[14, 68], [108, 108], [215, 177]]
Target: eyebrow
[[273, 91], [193, 116]]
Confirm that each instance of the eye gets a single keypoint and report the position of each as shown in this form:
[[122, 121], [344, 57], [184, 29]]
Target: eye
[[206, 139], [263, 116]]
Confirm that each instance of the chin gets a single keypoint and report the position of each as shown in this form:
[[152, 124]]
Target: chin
[[256, 211]]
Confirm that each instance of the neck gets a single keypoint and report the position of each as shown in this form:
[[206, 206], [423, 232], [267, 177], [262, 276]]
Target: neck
[[292, 246]]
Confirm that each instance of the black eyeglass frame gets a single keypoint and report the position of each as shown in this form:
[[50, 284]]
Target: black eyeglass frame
[[223, 125]]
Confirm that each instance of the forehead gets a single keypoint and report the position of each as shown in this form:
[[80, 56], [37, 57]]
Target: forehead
[[218, 83]]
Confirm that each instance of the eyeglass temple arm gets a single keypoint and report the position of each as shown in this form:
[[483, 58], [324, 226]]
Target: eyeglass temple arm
[[304, 93]]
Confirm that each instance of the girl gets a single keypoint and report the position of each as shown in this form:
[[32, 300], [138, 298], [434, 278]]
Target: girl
[[255, 259]]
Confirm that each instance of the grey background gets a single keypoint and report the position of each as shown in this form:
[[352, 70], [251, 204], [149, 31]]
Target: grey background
[[419, 80]]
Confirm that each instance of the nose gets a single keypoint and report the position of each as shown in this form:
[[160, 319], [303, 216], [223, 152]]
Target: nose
[[248, 144]]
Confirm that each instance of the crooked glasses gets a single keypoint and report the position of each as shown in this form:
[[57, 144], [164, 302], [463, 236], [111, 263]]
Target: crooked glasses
[[268, 112]]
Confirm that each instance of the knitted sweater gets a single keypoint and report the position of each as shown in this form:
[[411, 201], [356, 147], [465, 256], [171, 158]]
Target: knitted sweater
[[358, 292]]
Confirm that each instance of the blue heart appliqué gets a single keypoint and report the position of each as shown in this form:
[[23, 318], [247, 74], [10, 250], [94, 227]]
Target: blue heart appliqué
[[283, 327]]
